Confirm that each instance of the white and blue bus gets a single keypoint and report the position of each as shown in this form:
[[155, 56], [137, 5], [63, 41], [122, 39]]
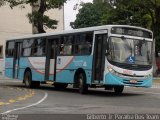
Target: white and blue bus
[[109, 56]]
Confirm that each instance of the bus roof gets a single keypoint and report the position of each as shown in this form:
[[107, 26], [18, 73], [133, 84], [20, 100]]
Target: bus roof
[[95, 28]]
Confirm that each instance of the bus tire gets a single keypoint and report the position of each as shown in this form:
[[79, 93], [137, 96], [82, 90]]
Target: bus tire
[[118, 89], [83, 87], [60, 85], [28, 79], [36, 84]]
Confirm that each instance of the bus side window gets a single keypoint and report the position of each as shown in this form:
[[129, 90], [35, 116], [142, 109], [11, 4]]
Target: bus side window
[[26, 51], [83, 43], [10, 49], [1, 51], [34, 48], [66, 45], [41, 47], [77, 42], [89, 40]]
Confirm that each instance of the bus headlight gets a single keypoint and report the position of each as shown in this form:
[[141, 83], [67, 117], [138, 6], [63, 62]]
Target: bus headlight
[[111, 70], [148, 76]]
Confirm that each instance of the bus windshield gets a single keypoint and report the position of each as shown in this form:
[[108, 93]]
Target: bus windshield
[[130, 51]]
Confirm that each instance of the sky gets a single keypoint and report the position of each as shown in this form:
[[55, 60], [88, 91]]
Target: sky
[[69, 13]]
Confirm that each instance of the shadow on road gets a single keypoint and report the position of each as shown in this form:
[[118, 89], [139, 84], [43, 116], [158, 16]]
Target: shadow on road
[[91, 92]]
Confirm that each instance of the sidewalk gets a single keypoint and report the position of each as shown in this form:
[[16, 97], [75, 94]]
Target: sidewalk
[[156, 80], [2, 77]]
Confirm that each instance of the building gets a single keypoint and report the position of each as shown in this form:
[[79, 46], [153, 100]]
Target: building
[[14, 22]]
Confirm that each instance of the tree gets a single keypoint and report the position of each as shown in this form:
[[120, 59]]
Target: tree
[[103, 12], [126, 12], [37, 17], [2, 3], [90, 15], [85, 17]]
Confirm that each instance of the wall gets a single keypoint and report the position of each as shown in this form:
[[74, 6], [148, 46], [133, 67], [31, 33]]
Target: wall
[[13, 22]]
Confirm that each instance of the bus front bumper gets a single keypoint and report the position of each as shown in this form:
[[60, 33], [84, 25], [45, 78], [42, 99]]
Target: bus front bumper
[[111, 79]]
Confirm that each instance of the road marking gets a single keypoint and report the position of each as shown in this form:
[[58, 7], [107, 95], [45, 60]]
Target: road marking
[[31, 105], [12, 101], [30, 93], [2, 103]]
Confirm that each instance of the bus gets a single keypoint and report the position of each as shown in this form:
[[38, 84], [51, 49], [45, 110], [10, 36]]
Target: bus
[[109, 56], [1, 60]]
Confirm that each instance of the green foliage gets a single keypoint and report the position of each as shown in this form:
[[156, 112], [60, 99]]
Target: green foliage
[[36, 16], [89, 15], [100, 13], [50, 4]]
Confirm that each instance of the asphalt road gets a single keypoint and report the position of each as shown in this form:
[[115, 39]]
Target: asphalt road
[[46, 101]]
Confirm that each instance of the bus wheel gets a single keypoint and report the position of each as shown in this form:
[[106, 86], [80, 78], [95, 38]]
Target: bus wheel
[[36, 84], [83, 87], [118, 89], [28, 79], [60, 85]]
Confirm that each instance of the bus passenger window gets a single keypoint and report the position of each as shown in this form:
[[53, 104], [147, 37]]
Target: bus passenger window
[[66, 45], [84, 49], [89, 40], [41, 47], [61, 49], [26, 51], [10, 49], [1, 51], [68, 49], [83, 43], [34, 48]]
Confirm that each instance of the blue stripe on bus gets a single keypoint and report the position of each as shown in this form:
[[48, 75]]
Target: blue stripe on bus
[[84, 62], [9, 67]]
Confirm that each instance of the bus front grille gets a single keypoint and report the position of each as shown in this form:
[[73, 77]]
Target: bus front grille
[[138, 82]]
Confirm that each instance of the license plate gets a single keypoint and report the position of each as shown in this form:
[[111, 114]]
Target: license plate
[[133, 81]]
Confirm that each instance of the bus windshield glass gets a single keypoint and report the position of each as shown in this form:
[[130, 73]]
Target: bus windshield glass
[[130, 51]]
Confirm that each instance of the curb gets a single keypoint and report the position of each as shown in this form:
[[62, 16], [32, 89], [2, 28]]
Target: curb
[[156, 85]]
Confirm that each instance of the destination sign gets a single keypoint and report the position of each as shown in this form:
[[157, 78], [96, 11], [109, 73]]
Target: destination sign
[[131, 31]]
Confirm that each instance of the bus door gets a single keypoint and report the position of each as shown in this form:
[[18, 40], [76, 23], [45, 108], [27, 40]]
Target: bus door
[[16, 60], [99, 55], [51, 59]]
